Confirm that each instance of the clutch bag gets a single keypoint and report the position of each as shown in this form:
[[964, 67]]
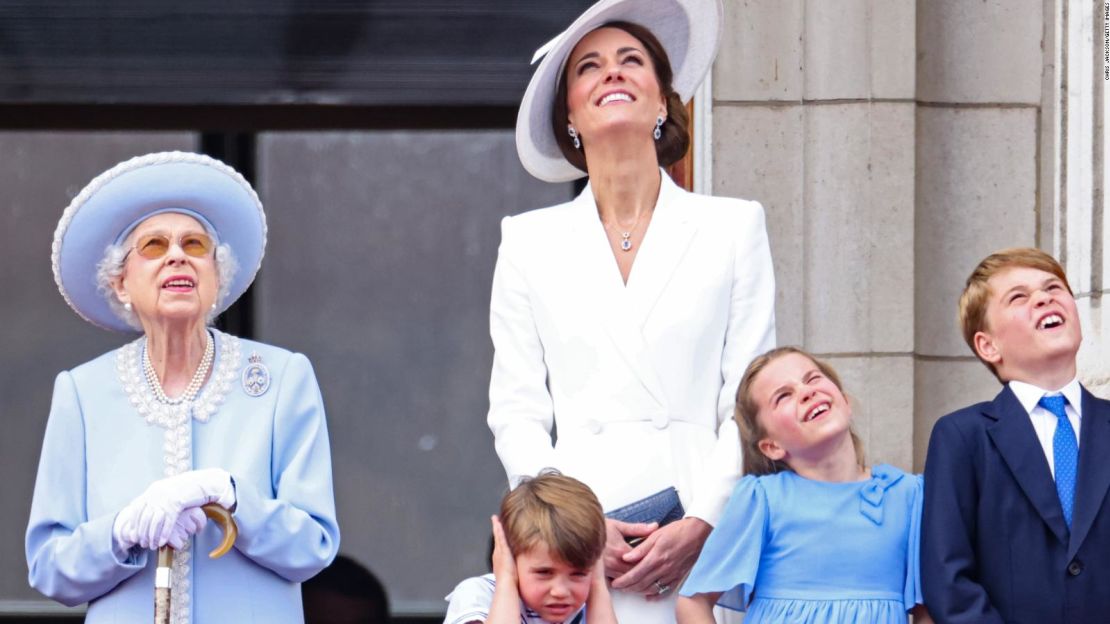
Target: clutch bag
[[663, 507]]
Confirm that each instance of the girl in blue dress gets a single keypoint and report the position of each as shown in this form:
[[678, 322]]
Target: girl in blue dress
[[810, 534]]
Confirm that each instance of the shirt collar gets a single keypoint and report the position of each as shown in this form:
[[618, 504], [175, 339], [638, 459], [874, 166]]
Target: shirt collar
[[533, 617], [1028, 395]]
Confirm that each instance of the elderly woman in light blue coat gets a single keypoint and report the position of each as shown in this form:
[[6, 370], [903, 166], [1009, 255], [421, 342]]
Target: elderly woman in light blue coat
[[140, 437]]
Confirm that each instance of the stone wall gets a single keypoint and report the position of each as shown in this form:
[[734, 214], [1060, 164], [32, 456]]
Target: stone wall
[[893, 144]]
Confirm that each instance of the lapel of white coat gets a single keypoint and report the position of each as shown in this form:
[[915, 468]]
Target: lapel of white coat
[[623, 310], [665, 243], [591, 268]]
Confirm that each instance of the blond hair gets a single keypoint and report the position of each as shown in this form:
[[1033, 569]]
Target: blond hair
[[558, 511], [747, 413], [972, 310]]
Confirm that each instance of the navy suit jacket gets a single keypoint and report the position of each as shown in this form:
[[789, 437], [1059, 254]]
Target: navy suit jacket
[[994, 545]]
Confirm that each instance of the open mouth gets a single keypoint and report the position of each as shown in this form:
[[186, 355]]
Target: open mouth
[[816, 411], [1050, 321], [558, 609], [179, 284], [616, 96]]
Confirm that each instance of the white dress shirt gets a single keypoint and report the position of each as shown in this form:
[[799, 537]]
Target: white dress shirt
[[1044, 421]]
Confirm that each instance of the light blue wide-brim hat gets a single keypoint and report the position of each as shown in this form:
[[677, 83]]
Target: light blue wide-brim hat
[[689, 30], [116, 201]]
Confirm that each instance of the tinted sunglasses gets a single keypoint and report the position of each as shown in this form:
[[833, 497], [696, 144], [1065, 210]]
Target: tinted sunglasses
[[154, 246]]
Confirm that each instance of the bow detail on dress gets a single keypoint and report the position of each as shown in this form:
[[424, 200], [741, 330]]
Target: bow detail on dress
[[871, 494]]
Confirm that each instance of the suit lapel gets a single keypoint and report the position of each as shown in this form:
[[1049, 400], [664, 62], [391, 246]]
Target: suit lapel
[[665, 243], [590, 266], [1016, 441], [597, 272], [1094, 468]]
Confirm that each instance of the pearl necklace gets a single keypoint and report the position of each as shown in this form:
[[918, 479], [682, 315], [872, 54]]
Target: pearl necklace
[[194, 384], [176, 416]]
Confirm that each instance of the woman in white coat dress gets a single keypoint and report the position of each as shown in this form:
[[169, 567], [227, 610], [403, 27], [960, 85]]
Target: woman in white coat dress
[[623, 319], [182, 415]]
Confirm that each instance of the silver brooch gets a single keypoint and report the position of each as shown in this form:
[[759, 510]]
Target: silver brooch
[[256, 377]]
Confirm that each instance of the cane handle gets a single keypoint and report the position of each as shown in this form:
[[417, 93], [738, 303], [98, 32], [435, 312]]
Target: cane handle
[[222, 517]]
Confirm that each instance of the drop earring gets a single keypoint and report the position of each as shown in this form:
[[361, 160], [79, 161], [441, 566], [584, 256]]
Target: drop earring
[[574, 135], [658, 133]]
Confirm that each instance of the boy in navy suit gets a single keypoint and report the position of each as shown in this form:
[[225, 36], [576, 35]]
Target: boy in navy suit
[[1016, 524]]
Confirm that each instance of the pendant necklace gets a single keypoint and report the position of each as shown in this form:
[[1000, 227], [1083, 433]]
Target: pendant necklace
[[626, 236]]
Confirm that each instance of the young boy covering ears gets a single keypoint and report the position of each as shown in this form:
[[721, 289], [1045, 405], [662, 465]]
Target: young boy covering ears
[[547, 565]]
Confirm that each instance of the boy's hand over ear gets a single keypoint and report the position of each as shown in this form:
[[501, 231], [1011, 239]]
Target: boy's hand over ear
[[503, 562], [599, 605], [505, 608]]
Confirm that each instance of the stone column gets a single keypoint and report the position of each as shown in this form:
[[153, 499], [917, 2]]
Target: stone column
[[979, 92], [1077, 230], [893, 145], [814, 116]]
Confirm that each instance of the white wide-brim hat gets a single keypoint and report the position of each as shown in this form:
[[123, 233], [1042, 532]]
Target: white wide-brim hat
[[689, 31], [116, 201]]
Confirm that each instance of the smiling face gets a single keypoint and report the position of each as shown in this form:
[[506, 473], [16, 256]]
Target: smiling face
[[801, 410], [176, 286], [612, 87], [550, 586], [1032, 328]]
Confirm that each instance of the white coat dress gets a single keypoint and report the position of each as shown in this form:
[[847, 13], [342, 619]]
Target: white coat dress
[[638, 380]]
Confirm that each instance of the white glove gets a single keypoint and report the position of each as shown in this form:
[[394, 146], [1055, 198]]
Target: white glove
[[125, 529], [150, 519]]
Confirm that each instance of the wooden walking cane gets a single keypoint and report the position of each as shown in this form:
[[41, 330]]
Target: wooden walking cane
[[162, 588]]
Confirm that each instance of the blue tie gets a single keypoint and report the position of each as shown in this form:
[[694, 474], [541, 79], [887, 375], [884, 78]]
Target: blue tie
[[1065, 452]]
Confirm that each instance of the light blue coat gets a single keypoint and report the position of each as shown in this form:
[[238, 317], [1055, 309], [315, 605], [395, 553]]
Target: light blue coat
[[99, 453]]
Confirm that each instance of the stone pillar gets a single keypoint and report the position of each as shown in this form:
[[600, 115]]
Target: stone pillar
[[814, 116], [979, 93], [1077, 230], [896, 143]]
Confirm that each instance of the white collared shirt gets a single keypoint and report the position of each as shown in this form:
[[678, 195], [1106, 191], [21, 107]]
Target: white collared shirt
[[1044, 421]]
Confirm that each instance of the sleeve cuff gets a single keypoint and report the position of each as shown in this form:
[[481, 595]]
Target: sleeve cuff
[[706, 513], [100, 530]]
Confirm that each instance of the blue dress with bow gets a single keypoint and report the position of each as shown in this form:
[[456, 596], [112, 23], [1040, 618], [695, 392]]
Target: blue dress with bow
[[790, 549]]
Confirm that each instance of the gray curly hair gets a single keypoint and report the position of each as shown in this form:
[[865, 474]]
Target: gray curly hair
[[110, 269]]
